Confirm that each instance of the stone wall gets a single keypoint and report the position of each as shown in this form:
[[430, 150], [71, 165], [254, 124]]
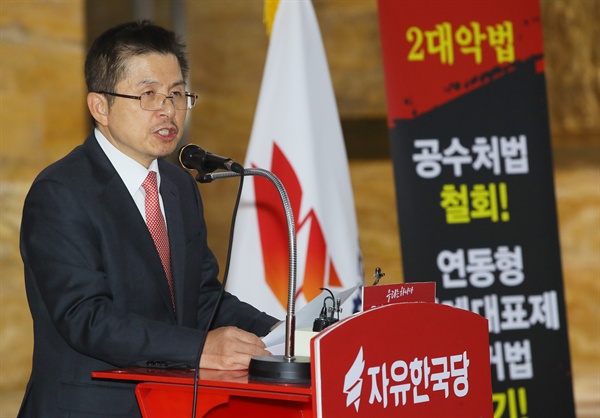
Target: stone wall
[[43, 115], [42, 48]]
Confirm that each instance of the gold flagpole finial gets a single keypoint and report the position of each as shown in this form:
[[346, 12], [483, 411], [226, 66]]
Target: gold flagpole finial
[[269, 14]]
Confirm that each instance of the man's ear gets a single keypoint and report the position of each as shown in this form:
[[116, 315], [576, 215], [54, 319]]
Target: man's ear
[[98, 106]]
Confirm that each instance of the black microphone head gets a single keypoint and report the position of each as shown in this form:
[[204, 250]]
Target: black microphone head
[[191, 156]]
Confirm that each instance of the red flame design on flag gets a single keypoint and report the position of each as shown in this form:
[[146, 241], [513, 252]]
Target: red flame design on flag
[[273, 235]]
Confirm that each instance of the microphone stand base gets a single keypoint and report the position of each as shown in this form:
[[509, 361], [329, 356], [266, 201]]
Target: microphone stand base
[[278, 369]]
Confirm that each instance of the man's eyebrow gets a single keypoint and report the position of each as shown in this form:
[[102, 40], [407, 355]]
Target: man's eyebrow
[[177, 83], [150, 81], [147, 81]]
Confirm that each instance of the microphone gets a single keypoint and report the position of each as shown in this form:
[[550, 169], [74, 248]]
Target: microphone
[[287, 368], [193, 157]]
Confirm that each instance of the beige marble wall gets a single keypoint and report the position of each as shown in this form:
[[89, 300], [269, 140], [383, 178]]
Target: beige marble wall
[[43, 115]]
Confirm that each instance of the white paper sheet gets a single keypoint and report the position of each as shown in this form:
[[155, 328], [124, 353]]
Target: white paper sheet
[[305, 317]]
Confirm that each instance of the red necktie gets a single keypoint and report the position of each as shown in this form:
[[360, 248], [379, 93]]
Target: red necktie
[[158, 229]]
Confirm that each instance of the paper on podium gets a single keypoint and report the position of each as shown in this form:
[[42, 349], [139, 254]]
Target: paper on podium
[[305, 317]]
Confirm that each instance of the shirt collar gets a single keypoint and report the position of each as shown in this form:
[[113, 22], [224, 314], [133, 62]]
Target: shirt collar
[[131, 172]]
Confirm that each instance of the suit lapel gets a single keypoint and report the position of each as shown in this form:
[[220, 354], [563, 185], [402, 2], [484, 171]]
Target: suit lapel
[[122, 210], [175, 227]]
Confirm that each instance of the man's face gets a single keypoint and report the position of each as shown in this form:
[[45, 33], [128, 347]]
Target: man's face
[[143, 134]]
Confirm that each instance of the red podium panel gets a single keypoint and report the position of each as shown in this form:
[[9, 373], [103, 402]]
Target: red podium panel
[[408, 360], [169, 393]]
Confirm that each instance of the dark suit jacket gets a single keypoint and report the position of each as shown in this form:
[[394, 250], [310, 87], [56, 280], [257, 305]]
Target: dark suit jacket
[[97, 291]]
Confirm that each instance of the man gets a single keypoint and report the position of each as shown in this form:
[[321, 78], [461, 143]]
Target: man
[[104, 289]]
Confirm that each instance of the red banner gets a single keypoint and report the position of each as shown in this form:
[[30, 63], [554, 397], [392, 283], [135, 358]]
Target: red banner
[[444, 49]]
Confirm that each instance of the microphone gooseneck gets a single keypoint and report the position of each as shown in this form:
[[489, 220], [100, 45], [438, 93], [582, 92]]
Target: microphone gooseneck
[[287, 368]]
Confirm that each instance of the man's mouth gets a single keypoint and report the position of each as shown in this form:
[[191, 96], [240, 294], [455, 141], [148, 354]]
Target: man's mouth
[[167, 133]]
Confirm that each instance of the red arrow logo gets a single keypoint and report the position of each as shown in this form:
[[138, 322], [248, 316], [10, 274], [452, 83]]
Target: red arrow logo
[[319, 269]]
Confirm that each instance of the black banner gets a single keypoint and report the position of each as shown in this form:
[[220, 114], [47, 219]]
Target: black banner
[[475, 187]]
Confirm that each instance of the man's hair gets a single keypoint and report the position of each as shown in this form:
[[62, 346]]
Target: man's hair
[[106, 62]]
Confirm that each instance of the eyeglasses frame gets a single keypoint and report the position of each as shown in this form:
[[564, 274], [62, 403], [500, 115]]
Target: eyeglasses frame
[[128, 96]]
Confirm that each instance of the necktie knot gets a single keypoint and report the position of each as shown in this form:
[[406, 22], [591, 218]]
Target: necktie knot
[[149, 184]]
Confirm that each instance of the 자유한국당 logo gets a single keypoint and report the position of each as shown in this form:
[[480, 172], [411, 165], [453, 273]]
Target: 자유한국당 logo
[[353, 381]]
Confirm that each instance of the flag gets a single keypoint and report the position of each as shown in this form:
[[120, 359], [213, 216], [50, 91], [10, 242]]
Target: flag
[[297, 136]]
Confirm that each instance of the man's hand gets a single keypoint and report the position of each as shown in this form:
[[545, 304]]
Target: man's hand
[[230, 348]]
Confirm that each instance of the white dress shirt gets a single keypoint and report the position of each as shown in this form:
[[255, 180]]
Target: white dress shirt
[[131, 172]]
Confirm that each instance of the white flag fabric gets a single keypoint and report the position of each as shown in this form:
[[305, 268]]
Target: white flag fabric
[[298, 137]]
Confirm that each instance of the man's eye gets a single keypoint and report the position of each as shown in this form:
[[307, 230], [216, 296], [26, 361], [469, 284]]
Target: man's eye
[[148, 93], [177, 93]]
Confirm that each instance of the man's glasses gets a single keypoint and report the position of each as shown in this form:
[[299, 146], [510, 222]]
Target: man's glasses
[[156, 101]]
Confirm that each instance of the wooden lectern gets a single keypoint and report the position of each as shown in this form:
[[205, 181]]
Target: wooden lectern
[[406, 359]]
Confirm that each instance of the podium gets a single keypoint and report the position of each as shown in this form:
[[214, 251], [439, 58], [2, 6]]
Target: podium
[[406, 359]]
